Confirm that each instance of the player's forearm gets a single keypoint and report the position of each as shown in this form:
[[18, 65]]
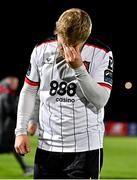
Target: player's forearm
[[35, 114], [25, 108], [93, 92]]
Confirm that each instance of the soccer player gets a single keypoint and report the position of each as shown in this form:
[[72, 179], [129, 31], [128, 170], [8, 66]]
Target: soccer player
[[8, 112], [73, 73]]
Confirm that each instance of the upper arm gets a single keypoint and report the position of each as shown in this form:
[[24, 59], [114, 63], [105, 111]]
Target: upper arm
[[103, 70], [32, 76]]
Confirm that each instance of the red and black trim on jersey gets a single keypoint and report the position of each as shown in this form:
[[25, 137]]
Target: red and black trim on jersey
[[109, 86], [31, 83], [108, 72], [97, 44], [89, 42]]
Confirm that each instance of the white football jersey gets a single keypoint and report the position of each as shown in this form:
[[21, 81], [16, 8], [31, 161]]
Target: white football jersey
[[67, 121]]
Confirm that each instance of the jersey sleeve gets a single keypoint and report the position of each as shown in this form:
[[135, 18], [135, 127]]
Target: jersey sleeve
[[32, 76], [35, 114], [103, 69]]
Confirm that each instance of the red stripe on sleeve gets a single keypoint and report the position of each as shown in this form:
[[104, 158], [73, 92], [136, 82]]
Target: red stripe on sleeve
[[32, 83], [106, 85]]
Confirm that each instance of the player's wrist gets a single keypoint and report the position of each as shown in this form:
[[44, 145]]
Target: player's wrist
[[76, 65], [80, 69], [19, 132]]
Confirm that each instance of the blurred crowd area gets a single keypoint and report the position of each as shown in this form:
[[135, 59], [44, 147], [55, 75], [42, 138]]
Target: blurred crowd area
[[9, 96], [120, 128]]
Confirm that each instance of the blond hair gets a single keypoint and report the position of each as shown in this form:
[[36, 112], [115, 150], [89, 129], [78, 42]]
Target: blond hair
[[74, 26]]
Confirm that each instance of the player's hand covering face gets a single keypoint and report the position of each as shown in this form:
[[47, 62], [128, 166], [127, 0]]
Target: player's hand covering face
[[73, 56]]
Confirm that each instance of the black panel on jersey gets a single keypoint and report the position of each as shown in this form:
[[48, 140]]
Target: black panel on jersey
[[50, 38], [90, 40], [97, 43]]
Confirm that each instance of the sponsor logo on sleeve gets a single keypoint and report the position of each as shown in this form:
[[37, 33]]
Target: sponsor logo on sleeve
[[108, 76], [110, 65]]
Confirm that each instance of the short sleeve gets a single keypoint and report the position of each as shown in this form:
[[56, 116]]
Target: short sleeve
[[32, 76], [103, 69]]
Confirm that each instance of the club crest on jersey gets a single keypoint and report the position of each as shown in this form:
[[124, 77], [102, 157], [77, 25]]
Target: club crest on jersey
[[86, 64], [29, 70]]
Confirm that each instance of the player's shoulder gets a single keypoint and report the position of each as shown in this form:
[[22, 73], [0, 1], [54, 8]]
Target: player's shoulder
[[48, 45], [98, 44], [45, 49]]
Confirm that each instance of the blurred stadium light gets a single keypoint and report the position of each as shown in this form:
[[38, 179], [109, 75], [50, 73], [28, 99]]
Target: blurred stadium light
[[128, 85]]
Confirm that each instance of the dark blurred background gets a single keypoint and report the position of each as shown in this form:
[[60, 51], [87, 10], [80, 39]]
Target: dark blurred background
[[24, 25]]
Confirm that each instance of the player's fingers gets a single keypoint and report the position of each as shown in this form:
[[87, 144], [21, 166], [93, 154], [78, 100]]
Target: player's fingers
[[73, 52], [76, 52], [27, 148], [67, 57], [68, 54], [22, 149], [77, 49], [17, 150], [65, 54]]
